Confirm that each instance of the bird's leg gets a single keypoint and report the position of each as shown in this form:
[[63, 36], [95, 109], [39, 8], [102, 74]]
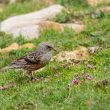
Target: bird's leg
[[33, 79]]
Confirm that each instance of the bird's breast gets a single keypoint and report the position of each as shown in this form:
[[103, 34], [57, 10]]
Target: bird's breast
[[35, 67], [45, 59]]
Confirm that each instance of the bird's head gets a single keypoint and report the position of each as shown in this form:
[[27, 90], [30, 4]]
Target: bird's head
[[45, 46]]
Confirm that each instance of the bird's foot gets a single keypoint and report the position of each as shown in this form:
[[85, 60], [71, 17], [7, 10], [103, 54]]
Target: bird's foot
[[34, 79]]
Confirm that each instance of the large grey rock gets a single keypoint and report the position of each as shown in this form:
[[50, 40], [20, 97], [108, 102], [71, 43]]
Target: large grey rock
[[27, 25], [30, 25], [31, 18]]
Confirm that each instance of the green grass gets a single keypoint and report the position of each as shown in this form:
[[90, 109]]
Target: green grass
[[51, 93], [21, 8]]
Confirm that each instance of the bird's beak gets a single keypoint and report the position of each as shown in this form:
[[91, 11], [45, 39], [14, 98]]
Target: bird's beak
[[55, 49]]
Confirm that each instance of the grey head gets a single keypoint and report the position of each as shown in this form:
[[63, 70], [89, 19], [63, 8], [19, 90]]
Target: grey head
[[45, 47]]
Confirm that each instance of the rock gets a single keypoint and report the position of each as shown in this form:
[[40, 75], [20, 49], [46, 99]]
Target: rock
[[31, 18], [75, 26], [49, 2], [15, 46], [31, 25], [45, 25], [79, 54], [27, 25], [12, 1], [97, 2], [28, 46], [105, 9], [92, 50], [28, 32], [33, 31], [92, 2], [97, 14]]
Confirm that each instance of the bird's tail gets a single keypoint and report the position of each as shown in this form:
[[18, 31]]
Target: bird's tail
[[6, 68]]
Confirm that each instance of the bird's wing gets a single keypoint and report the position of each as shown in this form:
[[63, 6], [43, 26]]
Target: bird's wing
[[33, 57]]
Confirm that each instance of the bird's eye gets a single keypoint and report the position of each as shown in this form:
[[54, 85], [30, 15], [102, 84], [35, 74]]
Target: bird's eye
[[49, 47]]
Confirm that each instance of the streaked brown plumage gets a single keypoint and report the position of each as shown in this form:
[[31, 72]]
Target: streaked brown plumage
[[33, 61]]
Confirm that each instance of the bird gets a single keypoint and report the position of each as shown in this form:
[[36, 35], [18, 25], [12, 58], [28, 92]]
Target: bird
[[33, 60]]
